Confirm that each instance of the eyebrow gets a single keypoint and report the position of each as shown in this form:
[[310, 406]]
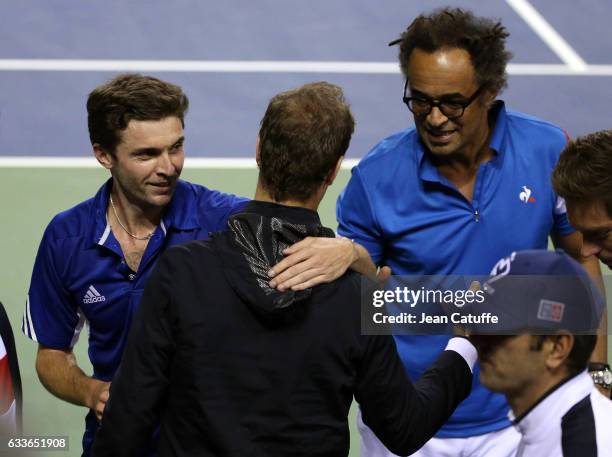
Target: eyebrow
[[181, 140], [441, 97], [148, 150]]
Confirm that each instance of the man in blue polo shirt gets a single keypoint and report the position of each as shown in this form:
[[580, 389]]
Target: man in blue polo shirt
[[465, 186], [94, 259]]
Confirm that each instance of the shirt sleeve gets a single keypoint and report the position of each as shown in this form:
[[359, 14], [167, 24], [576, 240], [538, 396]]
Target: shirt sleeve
[[226, 205], [51, 317], [561, 225], [138, 389], [236, 205], [356, 219], [403, 415]]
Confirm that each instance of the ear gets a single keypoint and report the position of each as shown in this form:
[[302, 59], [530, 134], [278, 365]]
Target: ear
[[258, 153], [105, 158], [489, 97], [558, 348], [332, 176]]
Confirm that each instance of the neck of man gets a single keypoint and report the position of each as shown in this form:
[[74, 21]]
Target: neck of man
[[138, 219], [522, 400], [262, 195], [464, 164]]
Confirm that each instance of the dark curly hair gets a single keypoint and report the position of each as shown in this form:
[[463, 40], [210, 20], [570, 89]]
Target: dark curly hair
[[484, 39], [303, 134]]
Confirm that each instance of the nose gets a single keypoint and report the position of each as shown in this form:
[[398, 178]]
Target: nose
[[589, 248], [165, 166], [436, 117]]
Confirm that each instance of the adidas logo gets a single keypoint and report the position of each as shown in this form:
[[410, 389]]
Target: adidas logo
[[93, 296]]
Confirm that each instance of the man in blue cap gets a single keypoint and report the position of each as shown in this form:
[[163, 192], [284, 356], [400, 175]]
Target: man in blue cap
[[548, 313]]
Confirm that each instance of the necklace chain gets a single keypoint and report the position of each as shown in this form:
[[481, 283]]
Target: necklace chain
[[139, 238]]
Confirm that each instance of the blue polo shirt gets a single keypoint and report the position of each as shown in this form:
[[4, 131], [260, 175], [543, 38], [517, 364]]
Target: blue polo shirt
[[414, 220], [80, 276]]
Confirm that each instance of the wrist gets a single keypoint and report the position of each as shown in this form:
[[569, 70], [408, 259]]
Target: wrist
[[91, 392], [354, 251]]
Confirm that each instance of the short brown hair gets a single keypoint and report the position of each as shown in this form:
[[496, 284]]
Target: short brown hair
[[303, 134], [583, 174], [484, 40], [111, 106]]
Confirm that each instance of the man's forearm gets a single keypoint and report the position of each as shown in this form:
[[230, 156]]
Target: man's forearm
[[405, 416], [572, 244], [59, 373], [600, 353]]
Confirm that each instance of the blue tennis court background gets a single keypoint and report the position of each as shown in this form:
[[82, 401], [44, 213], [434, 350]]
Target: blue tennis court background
[[42, 113]]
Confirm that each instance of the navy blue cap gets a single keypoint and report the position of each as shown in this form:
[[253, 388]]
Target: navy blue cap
[[539, 292]]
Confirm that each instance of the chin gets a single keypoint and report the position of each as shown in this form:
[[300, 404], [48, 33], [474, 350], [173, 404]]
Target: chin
[[442, 150], [489, 382], [160, 200], [488, 377]]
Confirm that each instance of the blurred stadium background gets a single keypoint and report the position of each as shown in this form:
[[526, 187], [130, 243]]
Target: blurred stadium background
[[231, 57]]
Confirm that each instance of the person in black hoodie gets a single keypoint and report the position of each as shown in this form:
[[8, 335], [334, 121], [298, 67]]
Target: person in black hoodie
[[232, 367]]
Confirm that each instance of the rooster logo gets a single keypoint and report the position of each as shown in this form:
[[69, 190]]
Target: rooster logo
[[525, 196]]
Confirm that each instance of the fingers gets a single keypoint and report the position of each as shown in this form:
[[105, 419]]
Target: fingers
[[281, 268], [296, 280], [322, 258], [383, 274], [306, 242], [312, 282], [292, 273], [103, 396], [100, 410]]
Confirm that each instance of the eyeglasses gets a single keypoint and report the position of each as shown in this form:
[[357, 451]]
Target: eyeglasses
[[422, 105]]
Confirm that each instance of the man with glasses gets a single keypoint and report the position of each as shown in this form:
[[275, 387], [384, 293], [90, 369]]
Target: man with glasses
[[467, 184]]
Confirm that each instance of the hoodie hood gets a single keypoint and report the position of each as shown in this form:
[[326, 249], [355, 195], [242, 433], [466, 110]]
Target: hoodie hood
[[253, 244]]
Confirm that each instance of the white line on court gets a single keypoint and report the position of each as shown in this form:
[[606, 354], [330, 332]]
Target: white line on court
[[256, 66], [548, 34], [238, 163], [213, 66]]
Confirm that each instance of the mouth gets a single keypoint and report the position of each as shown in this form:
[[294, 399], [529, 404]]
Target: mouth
[[163, 186], [440, 136]]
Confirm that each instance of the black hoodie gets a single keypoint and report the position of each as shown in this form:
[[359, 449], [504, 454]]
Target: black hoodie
[[231, 367]]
